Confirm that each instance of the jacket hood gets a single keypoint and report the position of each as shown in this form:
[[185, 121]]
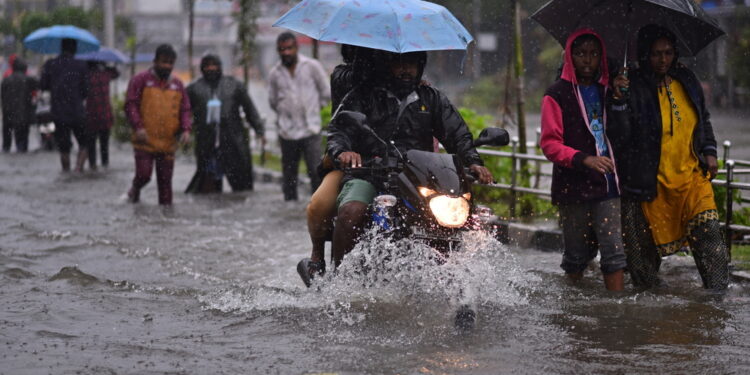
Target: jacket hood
[[569, 70]]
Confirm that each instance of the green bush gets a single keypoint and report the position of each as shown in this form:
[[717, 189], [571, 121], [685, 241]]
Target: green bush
[[120, 127], [528, 205], [325, 115]]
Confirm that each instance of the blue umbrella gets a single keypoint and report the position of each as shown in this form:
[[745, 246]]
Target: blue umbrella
[[106, 55], [392, 25], [47, 40]]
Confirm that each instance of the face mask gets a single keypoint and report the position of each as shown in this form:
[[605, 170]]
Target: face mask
[[212, 75], [162, 73]]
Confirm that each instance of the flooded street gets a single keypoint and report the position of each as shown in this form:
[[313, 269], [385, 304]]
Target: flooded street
[[93, 285]]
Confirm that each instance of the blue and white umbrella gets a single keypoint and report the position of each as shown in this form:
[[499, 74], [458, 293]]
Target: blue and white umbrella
[[105, 54], [391, 25], [48, 40]]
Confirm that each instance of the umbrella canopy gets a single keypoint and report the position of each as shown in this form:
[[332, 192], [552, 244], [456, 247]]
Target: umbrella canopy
[[47, 40], [616, 20], [391, 25], [105, 54]]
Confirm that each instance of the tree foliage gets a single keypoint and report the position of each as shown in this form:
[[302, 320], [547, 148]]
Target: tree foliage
[[19, 26]]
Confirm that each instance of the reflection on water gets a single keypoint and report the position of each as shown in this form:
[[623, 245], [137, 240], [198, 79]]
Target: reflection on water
[[93, 285]]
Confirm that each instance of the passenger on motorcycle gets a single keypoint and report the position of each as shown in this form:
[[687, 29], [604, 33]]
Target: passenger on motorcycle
[[407, 115]]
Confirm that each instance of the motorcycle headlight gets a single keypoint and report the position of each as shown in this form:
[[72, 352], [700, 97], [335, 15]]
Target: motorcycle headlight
[[449, 211], [426, 192]]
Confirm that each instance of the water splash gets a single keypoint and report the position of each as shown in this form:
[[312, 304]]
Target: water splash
[[398, 279]]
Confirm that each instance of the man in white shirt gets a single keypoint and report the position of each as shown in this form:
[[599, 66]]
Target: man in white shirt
[[298, 88]]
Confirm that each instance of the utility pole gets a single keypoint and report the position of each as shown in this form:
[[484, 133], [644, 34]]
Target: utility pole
[[109, 23], [476, 25], [191, 22], [518, 51]]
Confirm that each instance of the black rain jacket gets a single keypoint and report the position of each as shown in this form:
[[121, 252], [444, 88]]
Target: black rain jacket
[[635, 132], [410, 123], [234, 140]]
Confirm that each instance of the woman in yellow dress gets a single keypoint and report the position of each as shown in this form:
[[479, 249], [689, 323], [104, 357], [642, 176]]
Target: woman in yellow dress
[[663, 138]]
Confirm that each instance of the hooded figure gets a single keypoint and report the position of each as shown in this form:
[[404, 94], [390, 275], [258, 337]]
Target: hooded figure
[[571, 132], [663, 134], [584, 181], [222, 143]]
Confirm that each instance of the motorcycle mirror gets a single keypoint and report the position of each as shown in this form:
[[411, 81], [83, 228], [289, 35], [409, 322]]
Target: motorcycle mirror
[[492, 137], [358, 121], [353, 120]]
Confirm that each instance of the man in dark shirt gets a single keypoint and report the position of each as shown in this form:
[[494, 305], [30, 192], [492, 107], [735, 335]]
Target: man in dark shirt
[[18, 107], [67, 81]]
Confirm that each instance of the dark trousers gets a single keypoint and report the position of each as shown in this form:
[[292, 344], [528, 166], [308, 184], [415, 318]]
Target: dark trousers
[[62, 135], [706, 245], [103, 137], [19, 131], [144, 164], [291, 152]]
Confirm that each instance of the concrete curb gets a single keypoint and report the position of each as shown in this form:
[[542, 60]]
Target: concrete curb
[[741, 275], [543, 238]]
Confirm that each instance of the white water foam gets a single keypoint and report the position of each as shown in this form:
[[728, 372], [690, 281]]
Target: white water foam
[[383, 272]]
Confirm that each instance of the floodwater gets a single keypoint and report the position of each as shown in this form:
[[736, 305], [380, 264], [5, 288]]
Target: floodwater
[[93, 285]]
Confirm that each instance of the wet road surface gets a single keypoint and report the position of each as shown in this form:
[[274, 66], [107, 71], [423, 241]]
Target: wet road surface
[[93, 285]]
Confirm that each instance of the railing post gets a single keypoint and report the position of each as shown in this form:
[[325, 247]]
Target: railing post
[[729, 164], [538, 164], [727, 146], [513, 176]]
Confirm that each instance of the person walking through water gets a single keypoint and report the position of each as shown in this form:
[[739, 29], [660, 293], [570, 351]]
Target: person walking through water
[[584, 179], [99, 110], [67, 81], [158, 109], [662, 132], [222, 144], [18, 107], [298, 88]]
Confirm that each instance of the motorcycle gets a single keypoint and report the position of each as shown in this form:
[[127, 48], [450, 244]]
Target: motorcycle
[[426, 197]]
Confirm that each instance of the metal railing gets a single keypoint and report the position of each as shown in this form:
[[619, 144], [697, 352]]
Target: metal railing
[[730, 169]]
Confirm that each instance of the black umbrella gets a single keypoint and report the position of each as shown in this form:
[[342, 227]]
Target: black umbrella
[[615, 20]]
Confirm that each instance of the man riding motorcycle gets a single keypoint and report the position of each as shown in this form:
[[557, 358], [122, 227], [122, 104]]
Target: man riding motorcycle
[[407, 115]]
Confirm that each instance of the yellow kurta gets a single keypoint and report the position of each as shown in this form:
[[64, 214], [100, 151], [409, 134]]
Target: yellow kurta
[[684, 197]]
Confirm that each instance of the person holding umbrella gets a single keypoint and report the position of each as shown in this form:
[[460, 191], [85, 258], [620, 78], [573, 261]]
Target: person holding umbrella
[[584, 180], [67, 80], [664, 139]]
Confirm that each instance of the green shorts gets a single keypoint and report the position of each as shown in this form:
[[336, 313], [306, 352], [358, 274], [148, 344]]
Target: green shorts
[[356, 190]]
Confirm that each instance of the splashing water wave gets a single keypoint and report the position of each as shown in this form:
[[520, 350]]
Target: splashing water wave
[[385, 276]]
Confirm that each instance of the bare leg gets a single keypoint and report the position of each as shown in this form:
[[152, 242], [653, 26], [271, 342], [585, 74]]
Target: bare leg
[[83, 155], [614, 281], [349, 226], [65, 161]]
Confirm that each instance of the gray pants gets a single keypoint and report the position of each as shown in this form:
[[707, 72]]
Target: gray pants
[[706, 244], [590, 227], [291, 152]]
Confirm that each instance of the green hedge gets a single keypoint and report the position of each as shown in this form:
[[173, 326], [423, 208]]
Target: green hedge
[[529, 206]]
